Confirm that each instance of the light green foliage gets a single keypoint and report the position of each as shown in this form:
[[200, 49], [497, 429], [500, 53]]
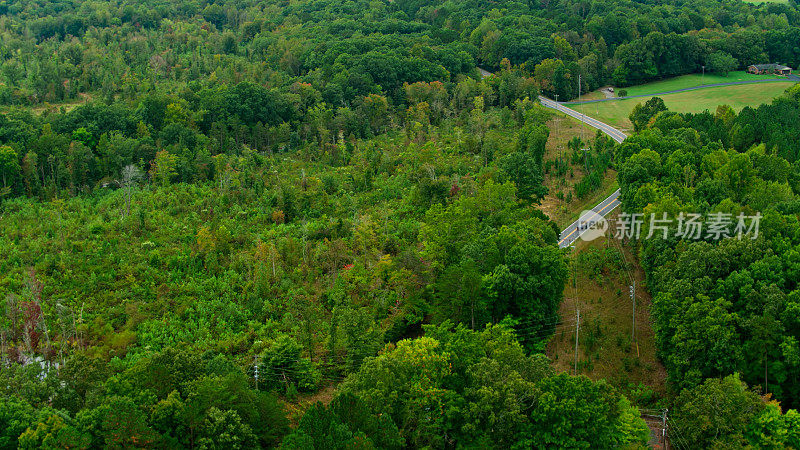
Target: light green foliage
[[224, 429], [532, 140], [53, 431], [406, 383], [15, 417], [773, 429], [283, 271], [726, 413], [528, 285], [480, 388], [642, 114], [118, 423], [722, 63], [283, 365], [346, 423], [526, 174], [325, 178], [522, 276], [9, 165], [575, 412]]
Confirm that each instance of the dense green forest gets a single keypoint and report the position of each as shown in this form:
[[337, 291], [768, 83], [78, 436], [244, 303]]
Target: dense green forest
[[55, 51], [210, 212], [731, 305]]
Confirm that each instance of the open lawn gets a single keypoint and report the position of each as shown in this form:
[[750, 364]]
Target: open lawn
[[615, 113], [693, 80]]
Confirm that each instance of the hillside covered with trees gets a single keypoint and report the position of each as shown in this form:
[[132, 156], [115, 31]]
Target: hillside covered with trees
[[213, 214]]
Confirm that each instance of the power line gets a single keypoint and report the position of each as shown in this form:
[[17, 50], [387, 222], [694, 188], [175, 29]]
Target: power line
[[633, 302], [534, 328], [561, 326], [678, 435], [575, 281], [632, 293], [543, 333]]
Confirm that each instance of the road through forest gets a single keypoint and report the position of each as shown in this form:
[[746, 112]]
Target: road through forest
[[577, 228]]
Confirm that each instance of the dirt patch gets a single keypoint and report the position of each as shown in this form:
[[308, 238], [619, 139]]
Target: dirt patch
[[296, 409]]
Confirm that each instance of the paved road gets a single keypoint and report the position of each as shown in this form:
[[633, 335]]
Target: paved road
[[574, 231], [732, 83], [615, 134], [587, 220]]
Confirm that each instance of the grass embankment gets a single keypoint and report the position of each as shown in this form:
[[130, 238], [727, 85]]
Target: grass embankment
[[606, 347], [615, 113]]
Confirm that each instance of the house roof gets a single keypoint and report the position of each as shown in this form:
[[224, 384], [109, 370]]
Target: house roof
[[771, 67]]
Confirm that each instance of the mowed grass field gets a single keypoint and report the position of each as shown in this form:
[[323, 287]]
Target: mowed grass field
[[616, 112], [694, 80]]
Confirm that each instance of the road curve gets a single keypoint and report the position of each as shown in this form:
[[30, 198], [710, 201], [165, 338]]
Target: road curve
[[614, 133], [588, 219]]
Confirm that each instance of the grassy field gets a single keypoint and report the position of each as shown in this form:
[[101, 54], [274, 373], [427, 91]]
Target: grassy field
[[616, 112], [755, 2], [692, 80]]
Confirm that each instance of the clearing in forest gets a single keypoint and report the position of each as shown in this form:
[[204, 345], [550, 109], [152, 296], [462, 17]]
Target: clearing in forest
[[601, 273], [615, 113]]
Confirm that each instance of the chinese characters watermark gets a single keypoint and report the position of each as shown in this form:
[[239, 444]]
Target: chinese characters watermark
[[690, 226]]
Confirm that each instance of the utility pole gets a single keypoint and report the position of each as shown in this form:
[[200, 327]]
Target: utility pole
[[633, 322], [579, 101], [664, 429], [703, 77], [633, 302], [577, 327], [255, 369]]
